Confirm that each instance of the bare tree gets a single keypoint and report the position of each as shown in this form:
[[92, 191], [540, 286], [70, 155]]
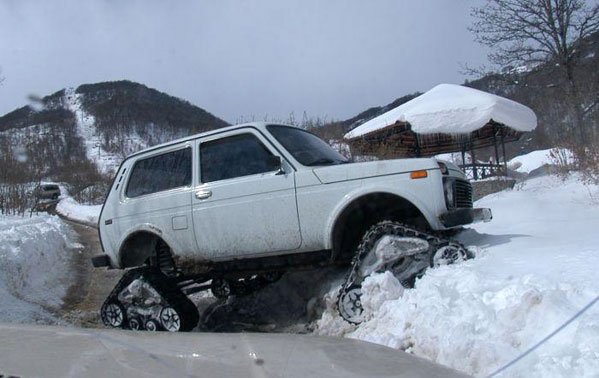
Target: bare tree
[[532, 32]]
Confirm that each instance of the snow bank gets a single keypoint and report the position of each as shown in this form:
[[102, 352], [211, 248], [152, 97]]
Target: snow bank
[[452, 109], [536, 159], [34, 256], [536, 267], [87, 214]]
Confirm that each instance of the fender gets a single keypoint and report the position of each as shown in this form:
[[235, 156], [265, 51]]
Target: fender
[[362, 191], [149, 228]]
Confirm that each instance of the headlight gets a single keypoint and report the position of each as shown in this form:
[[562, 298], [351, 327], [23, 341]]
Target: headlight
[[443, 168], [448, 190]]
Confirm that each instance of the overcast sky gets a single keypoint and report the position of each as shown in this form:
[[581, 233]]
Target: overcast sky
[[239, 58]]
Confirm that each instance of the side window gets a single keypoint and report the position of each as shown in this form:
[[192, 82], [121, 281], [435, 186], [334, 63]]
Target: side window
[[158, 173], [234, 156]]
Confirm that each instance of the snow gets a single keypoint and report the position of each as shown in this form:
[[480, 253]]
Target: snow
[[341, 147], [104, 160], [455, 157], [536, 159], [34, 260], [87, 214], [452, 109], [535, 267]]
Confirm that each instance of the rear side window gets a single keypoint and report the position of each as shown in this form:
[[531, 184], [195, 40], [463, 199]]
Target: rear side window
[[234, 156], [162, 172]]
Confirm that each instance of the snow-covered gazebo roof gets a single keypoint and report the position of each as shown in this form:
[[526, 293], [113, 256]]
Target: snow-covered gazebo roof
[[430, 122]]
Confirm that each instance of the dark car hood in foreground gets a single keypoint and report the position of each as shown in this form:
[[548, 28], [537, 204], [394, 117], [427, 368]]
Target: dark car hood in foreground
[[27, 351]]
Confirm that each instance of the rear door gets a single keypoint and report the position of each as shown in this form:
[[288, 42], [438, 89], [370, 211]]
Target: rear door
[[241, 206], [157, 195]]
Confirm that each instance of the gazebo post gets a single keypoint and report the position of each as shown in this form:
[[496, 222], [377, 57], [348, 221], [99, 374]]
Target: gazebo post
[[495, 145], [417, 145], [474, 172], [503, 150]]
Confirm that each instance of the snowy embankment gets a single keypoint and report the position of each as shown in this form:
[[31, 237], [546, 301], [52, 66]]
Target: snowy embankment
[[536, 159], [34, 261], [535, 268], [86, 214]]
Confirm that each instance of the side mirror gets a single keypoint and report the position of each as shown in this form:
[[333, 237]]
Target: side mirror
[[274, 164]]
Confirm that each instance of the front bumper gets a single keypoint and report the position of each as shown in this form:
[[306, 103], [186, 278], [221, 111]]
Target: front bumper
[[461, 217]]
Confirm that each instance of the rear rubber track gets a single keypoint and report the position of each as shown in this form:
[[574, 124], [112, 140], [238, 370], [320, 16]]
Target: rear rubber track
[[165, 286]]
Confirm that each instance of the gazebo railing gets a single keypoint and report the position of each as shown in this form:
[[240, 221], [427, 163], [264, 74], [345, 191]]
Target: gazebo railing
[[480, 171]]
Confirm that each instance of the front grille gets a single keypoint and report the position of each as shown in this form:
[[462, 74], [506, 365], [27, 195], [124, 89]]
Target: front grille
[[462, 193]]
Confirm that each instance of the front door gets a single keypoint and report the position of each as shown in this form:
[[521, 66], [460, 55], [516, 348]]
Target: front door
[[241, 206]]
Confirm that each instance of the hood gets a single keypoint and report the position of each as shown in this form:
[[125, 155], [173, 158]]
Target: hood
[[60, 352], [356, 171]]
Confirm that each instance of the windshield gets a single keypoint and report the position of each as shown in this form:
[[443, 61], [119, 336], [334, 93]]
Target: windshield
[[306, 148]]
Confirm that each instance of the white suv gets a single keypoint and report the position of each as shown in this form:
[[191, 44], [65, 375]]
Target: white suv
[[233, 209]]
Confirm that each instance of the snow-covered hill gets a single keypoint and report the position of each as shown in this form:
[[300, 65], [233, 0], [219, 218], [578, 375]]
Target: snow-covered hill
[[106, 162], [535, 267], [96, 123]]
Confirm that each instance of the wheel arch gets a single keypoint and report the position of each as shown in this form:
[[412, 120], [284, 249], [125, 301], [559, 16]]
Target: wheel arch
[[362, 211], [138, 246]]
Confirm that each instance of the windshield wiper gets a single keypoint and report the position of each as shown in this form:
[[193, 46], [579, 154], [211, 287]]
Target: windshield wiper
[[325, 161]]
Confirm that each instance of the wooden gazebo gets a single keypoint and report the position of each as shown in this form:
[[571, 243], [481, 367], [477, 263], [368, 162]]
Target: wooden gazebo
[[446, 119]]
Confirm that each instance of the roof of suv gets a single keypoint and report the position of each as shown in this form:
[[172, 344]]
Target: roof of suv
[[257, 125]]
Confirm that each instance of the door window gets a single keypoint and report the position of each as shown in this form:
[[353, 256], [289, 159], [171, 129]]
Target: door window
[[158, 173], [234, 156]]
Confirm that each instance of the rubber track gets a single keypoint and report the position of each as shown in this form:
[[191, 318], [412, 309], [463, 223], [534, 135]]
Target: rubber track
[[397, 229], [166, 288]]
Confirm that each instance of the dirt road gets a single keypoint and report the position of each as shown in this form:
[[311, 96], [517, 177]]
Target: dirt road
[[90, 286]]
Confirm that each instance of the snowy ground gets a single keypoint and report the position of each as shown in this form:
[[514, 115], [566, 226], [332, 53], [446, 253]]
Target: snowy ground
[[34, 262], [535, 267]]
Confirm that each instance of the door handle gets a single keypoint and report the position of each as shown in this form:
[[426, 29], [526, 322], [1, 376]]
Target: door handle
[[203, 194]]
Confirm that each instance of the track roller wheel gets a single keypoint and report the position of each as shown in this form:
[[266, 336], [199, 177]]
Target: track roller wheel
[[450, 253], [152, 325], [135, 324], [113, 315], [170, 319], [350, 304], [220, 288]]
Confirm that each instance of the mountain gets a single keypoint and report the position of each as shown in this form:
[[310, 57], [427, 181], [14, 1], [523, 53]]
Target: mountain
[[542, 88], [370, 113], [91, 128]]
